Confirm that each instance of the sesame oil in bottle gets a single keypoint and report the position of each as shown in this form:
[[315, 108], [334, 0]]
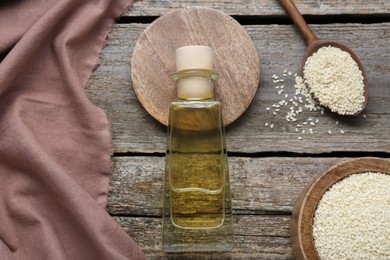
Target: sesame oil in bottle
[[197, 203]]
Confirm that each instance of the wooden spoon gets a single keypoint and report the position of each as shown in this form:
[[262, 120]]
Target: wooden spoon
[[313, 43]]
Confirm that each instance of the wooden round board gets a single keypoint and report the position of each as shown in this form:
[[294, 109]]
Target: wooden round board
[[236, 60]]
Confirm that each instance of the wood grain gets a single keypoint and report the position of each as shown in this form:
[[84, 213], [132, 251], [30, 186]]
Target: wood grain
[[255, 237], [259, 185], [263, 7], [235, 60], [264, 192], [280, 47], [267, 239], [264, 188]]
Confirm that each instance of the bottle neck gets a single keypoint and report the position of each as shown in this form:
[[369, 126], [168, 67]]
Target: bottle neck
[[196, 84]]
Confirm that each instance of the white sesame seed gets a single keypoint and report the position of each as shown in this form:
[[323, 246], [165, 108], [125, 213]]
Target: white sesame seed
[[274, 113], [341, 88], [266, 124], [303, 131], [342, 132], [299, 137], [337, 122], [267, 108], [364, 115], [354, 210], [312, 123], [272, 125], [330, 132]]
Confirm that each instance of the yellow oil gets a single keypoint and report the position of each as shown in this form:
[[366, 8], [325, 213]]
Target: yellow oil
[[196, 164]]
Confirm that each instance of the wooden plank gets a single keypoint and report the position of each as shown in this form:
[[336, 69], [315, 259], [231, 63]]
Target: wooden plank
[[262, 7], [259, 185], [280, 47], [255, 237]]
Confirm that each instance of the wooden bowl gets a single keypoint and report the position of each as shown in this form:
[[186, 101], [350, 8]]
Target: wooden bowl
[[302, 216]]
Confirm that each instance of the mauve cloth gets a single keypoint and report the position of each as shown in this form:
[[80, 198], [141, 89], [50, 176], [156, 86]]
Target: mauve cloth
[[55, 144]]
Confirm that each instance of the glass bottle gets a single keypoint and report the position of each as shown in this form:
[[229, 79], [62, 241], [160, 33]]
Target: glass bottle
[[197, 212]]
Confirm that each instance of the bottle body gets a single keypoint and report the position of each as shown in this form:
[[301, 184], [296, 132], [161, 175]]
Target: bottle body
[[197, 201], [197, 210]]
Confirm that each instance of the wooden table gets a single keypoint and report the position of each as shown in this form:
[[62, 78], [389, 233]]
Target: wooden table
[[268, 166]]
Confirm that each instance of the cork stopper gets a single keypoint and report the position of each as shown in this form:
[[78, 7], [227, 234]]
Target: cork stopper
[[194, 57]]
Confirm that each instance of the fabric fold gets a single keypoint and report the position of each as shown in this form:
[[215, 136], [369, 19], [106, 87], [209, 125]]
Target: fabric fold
[[55, 147]]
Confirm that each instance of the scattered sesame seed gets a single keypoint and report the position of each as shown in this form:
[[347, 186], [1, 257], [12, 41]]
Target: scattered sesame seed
[[266, 124], [299, 137], [274, 113], [342, 132], [312, 123], [303, 131], [267, 108], [364, 115], [337, 122], [272, 125], [330, 132]]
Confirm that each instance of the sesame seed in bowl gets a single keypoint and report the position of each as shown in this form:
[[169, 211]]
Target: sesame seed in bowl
[[345, 213]]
